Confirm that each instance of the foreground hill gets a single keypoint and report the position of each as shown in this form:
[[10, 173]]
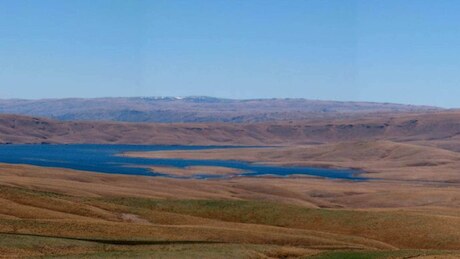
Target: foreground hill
[[195, 109], [59, 212], [440, 129]]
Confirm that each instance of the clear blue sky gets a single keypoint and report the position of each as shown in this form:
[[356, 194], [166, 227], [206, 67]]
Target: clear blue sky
[[405, 51]]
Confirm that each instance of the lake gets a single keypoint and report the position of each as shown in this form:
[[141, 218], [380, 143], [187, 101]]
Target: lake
[[107, 159]]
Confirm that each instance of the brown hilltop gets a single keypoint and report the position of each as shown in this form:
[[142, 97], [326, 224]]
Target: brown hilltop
[[441, 129]]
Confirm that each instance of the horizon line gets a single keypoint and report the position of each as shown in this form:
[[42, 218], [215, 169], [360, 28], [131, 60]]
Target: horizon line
[[159, 97]]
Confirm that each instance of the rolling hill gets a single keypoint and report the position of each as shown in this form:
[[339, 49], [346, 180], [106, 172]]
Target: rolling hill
[[440, 129], [99, 215]]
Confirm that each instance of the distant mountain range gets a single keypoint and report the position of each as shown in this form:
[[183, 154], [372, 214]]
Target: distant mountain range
[[195, 109]]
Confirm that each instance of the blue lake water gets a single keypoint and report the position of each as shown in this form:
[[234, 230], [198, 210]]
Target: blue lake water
[[107, 159]]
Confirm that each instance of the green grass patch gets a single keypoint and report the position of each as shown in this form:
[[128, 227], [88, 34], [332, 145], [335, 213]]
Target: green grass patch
[[267, 213], [257, 212], [24, 241], [180, 251], [402, 229]]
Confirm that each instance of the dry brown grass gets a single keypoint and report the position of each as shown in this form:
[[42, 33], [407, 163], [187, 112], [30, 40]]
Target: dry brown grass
[[96, 211], [442, 127], [309, 192], [416, 206], [194, 170]]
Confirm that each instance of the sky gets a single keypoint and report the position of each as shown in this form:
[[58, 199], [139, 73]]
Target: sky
[[370, 50]]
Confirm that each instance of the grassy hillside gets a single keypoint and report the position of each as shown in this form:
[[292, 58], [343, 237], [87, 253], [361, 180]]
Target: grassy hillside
[[178, 233], [35, 223], [59, 212]]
